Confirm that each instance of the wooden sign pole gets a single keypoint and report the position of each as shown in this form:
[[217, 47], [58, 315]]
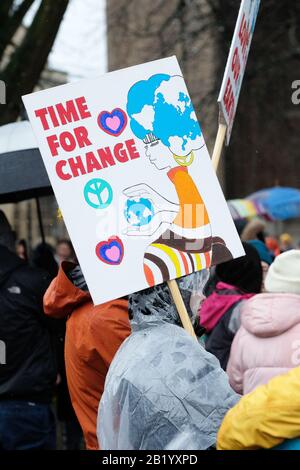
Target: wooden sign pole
[[220, 139], [181, 308], [173, 286]]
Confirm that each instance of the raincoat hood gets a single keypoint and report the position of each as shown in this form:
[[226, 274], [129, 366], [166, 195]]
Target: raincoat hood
[[94, 333], [154, 306], [267, 315], [162, 385], [64, 294]]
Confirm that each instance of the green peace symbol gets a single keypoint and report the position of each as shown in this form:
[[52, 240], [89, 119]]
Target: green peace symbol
[[101, 191]]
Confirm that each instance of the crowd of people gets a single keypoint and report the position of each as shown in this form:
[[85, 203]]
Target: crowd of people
[[128, 376], [34, 395]]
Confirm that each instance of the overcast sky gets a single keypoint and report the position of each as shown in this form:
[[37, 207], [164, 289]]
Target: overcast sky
[[80, 47]]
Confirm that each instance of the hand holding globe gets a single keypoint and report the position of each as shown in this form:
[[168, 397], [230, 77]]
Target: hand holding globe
[[145, 210]]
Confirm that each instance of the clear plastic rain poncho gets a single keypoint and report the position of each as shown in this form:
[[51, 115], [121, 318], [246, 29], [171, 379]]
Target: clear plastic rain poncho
[[163, 390]]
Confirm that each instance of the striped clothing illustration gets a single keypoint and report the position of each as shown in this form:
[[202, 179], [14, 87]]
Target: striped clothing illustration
[[188, 245], [162, 262]]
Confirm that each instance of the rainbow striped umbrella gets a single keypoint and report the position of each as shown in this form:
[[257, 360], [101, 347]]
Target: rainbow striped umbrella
[[245, 209]]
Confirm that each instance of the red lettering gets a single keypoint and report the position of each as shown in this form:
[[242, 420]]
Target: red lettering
[[62, 114], [76, 166], [120, 153], [81, 134], [244, 35], [229, 99], [53, 144], [67, 113], [236, 65], [59, 170], [53, 117], [133, 153], [67, 141], [92, 163], [106, 157], [82, 107], [41, 114]]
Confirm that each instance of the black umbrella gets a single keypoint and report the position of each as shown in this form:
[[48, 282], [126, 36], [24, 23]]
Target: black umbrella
[[22, 172]]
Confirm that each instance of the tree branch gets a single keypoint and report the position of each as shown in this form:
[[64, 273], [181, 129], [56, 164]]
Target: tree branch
[[28, 61], [12, 24]]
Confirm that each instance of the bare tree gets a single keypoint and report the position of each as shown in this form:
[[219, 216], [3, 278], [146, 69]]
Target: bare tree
[[265, 140], [10, 20], [144, 30], [28, 60]]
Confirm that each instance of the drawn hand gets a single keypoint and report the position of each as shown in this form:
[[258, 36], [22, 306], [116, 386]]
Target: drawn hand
[[164, 210], [144, 230], [160, 203]]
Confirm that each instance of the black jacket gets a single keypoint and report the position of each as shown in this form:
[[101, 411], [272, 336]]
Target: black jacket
[[29, 368], [220, 339]]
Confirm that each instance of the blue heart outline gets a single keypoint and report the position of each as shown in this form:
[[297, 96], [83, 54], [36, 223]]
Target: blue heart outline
[[115, 112]]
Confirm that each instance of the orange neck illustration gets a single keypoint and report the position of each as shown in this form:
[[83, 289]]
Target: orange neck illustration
[[192, 210]]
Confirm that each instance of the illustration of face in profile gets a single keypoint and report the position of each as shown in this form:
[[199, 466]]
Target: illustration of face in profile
[[161, 156], [155, 151], [161, 115]]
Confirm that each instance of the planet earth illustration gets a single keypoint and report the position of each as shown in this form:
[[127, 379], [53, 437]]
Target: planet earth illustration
[[139, 212]]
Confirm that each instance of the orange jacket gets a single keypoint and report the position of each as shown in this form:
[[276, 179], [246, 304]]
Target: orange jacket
[[93, 336]]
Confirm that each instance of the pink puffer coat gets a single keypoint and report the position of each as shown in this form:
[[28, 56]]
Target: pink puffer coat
[[268, 341]]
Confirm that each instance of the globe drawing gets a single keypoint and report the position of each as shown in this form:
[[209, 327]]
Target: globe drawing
[[139, 212]]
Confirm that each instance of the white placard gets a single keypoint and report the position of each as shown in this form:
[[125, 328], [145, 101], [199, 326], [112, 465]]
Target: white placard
[[236, 63], [133, 178]]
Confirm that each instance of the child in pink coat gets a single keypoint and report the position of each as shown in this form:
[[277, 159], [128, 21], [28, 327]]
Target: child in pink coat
[[268, 341]]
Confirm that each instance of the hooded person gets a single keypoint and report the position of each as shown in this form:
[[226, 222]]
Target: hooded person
[[163, 390], [43, 258], [238, 281], [263, 251], [267, 344], [266, 258], [267, 417], [27, 356], [254, 230], [93, 336]]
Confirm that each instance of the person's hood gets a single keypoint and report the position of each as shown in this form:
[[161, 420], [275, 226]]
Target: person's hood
[[252, 229], [218, 303], [9, 261], [267, 315], [263, 251], [63, 295], [155, 306]]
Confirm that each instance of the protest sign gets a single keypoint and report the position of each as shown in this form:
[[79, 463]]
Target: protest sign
[[132, 176], [236, 63]]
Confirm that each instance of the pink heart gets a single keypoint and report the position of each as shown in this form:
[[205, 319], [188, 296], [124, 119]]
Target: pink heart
[[113, 122], [113, 253], [110, 251]]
